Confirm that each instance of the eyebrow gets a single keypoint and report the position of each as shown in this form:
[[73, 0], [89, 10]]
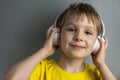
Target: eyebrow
[[90, 27], [70, 24]]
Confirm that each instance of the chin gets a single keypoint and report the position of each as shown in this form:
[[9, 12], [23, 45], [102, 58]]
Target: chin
[[77, 55]]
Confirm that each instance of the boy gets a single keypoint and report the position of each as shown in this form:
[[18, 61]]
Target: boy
[[79, 27]]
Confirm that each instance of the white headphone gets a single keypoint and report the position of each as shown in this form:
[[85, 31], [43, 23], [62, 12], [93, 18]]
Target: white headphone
[[97, 43], [101, 35]]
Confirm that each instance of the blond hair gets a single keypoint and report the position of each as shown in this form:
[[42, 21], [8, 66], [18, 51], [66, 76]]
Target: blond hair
[[80, 9]]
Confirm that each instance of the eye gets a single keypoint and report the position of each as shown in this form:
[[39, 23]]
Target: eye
[[88, 32], [71, 29]]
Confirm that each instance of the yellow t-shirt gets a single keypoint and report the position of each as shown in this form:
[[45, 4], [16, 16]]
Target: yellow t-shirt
[[49, 70]]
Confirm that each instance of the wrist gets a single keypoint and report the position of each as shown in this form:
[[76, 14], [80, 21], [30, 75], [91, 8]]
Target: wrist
[[99, 62], [100, 65], [46, 51]]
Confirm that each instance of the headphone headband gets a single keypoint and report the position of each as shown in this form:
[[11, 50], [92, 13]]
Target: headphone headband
[[102, 33]]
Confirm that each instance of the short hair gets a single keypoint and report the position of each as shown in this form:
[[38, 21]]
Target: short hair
[[80, 9]]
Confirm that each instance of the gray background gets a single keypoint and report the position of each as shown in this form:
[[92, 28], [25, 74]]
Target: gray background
[[23, 25]]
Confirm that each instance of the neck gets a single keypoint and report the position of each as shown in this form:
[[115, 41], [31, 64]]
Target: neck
[[71, 65]]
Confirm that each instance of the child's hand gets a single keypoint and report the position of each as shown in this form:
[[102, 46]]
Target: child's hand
[[48, 46], [99, 58]]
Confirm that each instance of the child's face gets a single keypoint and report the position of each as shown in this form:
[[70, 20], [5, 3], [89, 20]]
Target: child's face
[[78, 36]]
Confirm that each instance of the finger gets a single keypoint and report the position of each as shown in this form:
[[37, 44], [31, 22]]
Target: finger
[[52, 26], [52, 34], [101, 43], [106, 41], [54, 30], [50, 30]]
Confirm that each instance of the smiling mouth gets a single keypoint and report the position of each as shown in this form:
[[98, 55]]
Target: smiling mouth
[[77, 46]]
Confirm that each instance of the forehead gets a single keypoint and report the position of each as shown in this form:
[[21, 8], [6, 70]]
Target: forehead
[[79, 18]]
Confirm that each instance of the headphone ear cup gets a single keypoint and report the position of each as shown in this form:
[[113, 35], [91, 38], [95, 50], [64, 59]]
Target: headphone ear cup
[[96, 46], [56, 37]]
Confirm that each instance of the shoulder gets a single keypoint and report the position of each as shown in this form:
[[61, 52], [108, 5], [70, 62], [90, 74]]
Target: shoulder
[[93, 70], [90, 67], [47, 62], [44, 66]]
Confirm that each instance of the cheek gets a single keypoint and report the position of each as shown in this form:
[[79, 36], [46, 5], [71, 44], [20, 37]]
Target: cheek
[[64, 41], [91, 43], [64, 38]]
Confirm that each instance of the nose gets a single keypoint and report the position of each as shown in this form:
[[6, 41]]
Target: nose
[[79, 36]]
